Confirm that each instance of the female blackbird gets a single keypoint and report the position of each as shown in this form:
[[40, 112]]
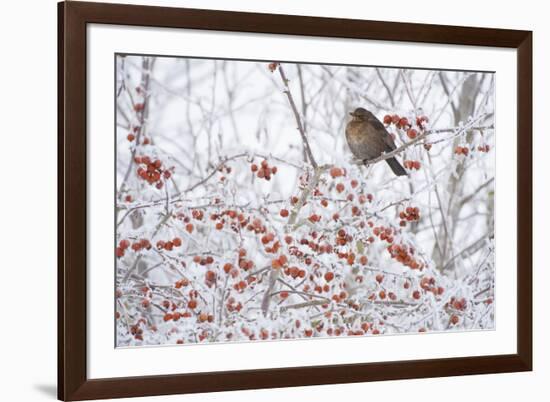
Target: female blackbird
[[368, 139]]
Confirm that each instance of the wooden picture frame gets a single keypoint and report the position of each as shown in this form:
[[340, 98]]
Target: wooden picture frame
[[73, 17]]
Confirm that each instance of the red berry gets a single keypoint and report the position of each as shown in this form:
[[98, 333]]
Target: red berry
[[336, 172], [131, 137], [284, 213], [329, 276]]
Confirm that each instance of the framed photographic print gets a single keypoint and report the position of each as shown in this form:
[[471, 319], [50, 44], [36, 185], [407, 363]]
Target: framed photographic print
[[252, 200]]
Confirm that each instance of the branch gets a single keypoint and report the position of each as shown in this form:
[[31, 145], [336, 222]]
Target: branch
[[297, 117], [415, 141]]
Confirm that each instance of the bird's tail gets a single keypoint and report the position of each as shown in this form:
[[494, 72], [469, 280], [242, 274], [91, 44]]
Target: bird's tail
[[396, 167]]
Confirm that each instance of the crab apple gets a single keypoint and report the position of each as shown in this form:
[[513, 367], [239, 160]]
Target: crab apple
[[131, 137], [283, 294], [340, 187], [454, 319], [176, 241], [168, 317], [329, 276], [379, 278], [395, 119], [189, 227], [382, 294], [284, 213], [124, 244], [192, 304], [416, 295], [403, 122], [210, 276], [363, 260], [119, 252], [336, 172], [387, 119], [412, 133]]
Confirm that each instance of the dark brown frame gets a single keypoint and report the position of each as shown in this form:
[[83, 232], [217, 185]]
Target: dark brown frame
[[73, 383]]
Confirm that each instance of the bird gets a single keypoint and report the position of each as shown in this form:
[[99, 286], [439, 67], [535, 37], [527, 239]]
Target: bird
[[368, 139]]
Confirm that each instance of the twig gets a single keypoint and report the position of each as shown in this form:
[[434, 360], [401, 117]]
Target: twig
[[297, 117]]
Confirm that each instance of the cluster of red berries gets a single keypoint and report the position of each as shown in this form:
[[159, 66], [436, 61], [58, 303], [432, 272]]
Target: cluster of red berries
[[245, 263], [404, 255], [462, 151], [457, 304], [383, 233], [342, 238], [264, 171], [483, 148], [399, 122], [153, 171], [206, 260], [231, 305], [137, 331], [169, 244], [294, 272], [279, 262], [409, 214], [403, 123], [124, 244], [428, 284], [256, 226], [349, 257], [410, 164], [269, 238], [224, 169]]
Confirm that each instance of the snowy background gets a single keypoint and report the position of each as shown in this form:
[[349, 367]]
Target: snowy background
[[226, 231]]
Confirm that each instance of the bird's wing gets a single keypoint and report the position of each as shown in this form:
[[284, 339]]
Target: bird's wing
[[380, 128]]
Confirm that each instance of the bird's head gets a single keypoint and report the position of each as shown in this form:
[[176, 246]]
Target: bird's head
[[360, 114]]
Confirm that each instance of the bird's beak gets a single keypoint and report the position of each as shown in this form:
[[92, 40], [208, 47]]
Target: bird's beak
[[352, 114]]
